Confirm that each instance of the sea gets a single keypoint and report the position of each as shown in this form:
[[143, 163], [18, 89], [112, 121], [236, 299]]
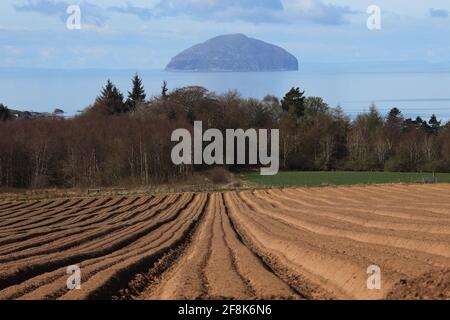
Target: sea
[[415, 94]]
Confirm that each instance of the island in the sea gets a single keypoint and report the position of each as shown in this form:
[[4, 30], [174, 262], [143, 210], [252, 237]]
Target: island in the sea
[[234, 52]]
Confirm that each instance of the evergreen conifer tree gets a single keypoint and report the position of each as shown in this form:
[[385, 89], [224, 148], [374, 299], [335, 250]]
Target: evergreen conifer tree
[[294, 102], [111, 100], [137, 94]]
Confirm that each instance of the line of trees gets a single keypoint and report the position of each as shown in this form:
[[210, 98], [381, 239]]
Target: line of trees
[[126, 141]]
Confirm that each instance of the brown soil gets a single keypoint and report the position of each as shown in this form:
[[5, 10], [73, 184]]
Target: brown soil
[[269, 244]]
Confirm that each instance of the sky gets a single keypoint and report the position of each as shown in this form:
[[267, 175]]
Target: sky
[[145, 34]]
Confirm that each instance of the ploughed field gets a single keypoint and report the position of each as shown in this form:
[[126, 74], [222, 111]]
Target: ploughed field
[[264, 244]]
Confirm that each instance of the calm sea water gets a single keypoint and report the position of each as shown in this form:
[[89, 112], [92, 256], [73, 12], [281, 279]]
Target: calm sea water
[[416, 94]]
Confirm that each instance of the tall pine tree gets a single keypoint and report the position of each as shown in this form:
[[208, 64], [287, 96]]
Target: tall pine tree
[[294, 102], [394, 115], [435, 125], [137, 94], [111, 100], [164, 90]]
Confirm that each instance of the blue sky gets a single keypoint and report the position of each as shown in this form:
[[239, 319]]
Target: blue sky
[[145, 34]]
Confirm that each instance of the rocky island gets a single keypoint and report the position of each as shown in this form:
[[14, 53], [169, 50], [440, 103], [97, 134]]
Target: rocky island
[[235, 52]]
